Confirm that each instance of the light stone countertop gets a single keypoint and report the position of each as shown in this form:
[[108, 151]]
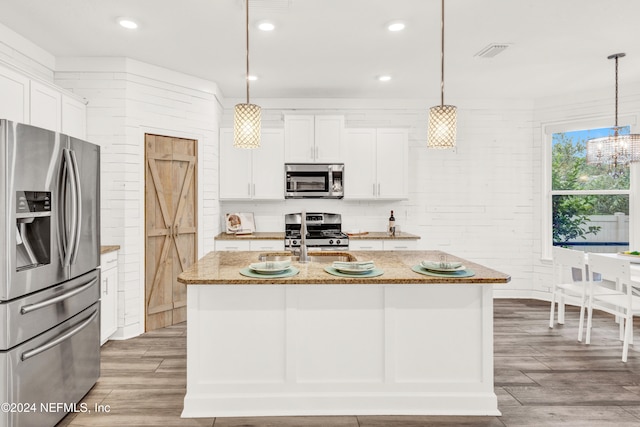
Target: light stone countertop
[[105, 249], [274, 235], [222, 268]]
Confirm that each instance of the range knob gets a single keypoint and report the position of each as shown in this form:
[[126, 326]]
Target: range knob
[[295, 242], [337, 242], [331, 242]]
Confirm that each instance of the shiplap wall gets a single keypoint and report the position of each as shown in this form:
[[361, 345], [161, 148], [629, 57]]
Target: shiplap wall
[[126, 100], [475, 202]]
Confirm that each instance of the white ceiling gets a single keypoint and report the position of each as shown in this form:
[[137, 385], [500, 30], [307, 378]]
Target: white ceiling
[[337, 48]]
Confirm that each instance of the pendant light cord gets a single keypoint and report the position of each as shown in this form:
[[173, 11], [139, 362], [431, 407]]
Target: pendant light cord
[[616, 95], [442, 57], [247, 35]]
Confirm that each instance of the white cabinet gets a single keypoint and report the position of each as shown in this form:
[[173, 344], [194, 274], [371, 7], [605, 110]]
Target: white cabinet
[[256, 174], [46, 106], [365, 245], [383, 245], [108, 295], [313, 139], [74, 117], [14, 93], [380, 157], [267, 245], [233, 245]]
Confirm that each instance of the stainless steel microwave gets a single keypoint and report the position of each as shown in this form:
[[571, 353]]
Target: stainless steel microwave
[[314, 180]]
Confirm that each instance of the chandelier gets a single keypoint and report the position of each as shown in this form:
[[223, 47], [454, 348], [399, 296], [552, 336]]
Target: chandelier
[[441, 132], [615, 151], [246, 117]]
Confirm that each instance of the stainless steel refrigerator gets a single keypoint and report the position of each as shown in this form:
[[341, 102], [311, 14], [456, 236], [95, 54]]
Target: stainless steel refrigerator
[[50, 277]]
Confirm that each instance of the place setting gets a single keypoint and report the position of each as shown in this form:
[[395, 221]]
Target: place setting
[[270, 269], [443, 268], [354, 269]]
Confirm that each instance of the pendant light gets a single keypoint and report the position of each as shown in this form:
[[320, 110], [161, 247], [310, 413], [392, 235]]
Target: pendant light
[[441, 132], [615, 151], [246, 117]]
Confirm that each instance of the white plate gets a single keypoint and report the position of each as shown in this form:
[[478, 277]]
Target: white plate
[[435, 267], [270, 267], [351, 270]]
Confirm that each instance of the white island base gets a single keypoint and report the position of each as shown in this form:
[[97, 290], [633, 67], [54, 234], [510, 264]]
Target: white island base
[[397, 349]]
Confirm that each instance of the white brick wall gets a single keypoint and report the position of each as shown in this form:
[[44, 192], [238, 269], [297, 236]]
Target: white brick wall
[[126, 100]]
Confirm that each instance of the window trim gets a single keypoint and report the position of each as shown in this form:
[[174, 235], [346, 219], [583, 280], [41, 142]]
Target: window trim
[[547, 193]]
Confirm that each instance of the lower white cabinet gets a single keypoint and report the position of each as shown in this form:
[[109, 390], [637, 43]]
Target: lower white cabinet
[[108, 295], [267, 245], [383, 245], [250, 245], [233, 245]]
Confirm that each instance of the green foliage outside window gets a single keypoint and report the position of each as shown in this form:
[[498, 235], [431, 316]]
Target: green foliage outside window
[[570, 171]]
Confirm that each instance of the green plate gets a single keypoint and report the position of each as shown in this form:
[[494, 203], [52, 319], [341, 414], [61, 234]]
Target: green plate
[[291, 271], [370, 273], [462, 273]]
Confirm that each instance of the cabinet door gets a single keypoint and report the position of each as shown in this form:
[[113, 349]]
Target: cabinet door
[[14, 92], [360, 160], [268, 166], [392, 163], [365, 245], [108, 304], [232, 245], [234, 168], [74, 117], [299, 139], [45, 103], [329, 136], [267, 245]]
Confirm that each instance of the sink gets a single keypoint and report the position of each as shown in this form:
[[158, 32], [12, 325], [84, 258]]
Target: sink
[[326, 256]]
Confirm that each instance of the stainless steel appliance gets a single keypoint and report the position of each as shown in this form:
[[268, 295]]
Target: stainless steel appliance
[[49, 264], [314, 180], [324, 232]]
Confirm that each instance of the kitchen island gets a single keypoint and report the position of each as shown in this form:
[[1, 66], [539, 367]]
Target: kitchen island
[[318, 344]]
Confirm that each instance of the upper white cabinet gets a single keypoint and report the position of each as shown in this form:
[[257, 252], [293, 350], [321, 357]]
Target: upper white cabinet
[[14, 92], [39, 103], [46, 106], [74, 117], [313, 139], [256, 174], [376, 164]]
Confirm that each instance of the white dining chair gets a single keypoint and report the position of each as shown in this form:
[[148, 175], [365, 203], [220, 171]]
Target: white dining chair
[[621, 301], [567, 287]]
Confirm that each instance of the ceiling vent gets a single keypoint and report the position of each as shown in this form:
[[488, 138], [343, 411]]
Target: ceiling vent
[[492, 50]]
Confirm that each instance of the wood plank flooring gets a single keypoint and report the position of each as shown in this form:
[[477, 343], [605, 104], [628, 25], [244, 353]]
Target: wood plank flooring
[[543, 377]]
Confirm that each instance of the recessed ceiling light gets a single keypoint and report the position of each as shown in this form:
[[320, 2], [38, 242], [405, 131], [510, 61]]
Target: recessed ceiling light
[[127, 23], [396, 26], [266, 26], [384, 78]]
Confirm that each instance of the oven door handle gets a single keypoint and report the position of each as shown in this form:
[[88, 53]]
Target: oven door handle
[[34, 352], [37, 306]]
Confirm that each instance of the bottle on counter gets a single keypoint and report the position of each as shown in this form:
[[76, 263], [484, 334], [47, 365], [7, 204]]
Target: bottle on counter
[[392, 225]]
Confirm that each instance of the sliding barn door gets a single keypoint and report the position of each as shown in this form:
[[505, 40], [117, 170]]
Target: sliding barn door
[[171, 215]]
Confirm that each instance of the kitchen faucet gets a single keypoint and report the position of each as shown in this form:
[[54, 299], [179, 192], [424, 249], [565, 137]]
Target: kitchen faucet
[[304, 256]]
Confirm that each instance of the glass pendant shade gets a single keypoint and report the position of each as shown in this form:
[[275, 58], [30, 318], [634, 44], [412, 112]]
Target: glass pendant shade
[[616, 150], [246, 126], [441, 132]]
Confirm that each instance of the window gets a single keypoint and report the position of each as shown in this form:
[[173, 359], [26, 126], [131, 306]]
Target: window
[[589, 206]]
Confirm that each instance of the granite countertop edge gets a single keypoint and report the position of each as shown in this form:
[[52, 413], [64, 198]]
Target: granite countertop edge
[[275, 235], [105, 249], [223, 268]]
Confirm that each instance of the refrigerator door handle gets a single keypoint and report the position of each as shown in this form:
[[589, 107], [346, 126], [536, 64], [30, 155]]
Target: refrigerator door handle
[[37, 306], [73, 228], [34, 352], [77, 205], [63, 234]]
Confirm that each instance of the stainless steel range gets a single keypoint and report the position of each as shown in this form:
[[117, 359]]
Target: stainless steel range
[[324, 232]]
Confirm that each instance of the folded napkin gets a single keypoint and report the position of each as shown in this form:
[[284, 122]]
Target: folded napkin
[[437, 264], [270, 265], [354, 265]]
